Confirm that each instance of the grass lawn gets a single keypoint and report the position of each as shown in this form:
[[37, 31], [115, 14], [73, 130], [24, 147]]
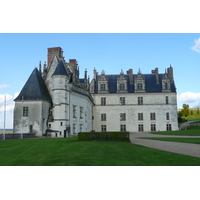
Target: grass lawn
[[193, 118], [192, 131], [184, 140], [71, 152]]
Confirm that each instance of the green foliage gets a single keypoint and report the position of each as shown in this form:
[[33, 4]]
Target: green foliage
[[185, 110], [192, 131], [104, 136], [180, 114], [191, 112]]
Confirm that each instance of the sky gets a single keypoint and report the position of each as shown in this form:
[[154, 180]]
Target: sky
[[20, 53]]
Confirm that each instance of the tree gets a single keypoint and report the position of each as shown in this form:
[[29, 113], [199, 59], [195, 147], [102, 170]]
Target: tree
[[185, 110], [191, 112], [180, 114], [198, 110]]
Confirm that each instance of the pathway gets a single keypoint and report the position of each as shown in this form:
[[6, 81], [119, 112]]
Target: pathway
[[175, 147]]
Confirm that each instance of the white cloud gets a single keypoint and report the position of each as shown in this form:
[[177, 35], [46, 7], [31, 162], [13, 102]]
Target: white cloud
[[188, 97], [8, 108], [2, 98], [16, 95], [4, 86], [196, 47]]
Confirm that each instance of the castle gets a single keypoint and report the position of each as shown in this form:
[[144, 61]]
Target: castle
[[55, 102]]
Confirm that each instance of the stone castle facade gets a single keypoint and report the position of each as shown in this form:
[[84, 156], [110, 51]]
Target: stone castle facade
[[56, 102]]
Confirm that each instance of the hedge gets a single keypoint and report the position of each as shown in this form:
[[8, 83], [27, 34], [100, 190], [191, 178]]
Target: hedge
[[104, 136]]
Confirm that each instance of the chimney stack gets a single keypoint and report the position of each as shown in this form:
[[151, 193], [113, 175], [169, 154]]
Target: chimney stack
[[155, 71], [52, 52], [73, 63], [130, 73]]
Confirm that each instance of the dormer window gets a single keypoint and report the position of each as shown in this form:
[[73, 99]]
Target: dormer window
[[103, 87], [165, 83], [122, 83], [166, 86], [122, 86], [139, 82], [103, 83], [139, 86]]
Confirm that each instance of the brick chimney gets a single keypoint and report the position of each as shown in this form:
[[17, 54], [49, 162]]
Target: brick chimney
[[52, 52], [73, 63], [130, 73], [155, 71]]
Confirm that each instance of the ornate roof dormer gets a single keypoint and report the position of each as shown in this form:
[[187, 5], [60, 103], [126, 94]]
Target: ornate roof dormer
[[166, 83], [103, 83], [139, 82], [121, 83]]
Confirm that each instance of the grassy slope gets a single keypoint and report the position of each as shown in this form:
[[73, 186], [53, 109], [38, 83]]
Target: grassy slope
[[70, 152], [192, 131]]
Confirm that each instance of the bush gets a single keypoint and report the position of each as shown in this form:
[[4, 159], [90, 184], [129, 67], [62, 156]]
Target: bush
[[104, 136]]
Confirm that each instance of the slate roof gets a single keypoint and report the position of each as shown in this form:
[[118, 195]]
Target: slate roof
[[150, 83], [34, 89], [60, 69]]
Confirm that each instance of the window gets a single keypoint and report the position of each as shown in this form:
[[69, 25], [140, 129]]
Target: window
[[140, 127], [166, 86], [122, 101], [152, 116], [139, 86], [168, 127], [122, 116], [81, 127], [103, 87], [167, 116], [25, 111], [103, 101], [60, 133], [167, 100], [103, 117], [74, 128], [61, 123], [81, 112], [140, 100], [74, 111], [122, 127], [31, 128], [49, 125], [140, 116], [153, 127], [103, 128], [122, 86]]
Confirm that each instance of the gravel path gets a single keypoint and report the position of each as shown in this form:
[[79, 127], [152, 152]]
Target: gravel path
[[175, 147]]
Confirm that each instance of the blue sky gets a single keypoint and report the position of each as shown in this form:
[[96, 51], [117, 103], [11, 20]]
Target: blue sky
[[21, 53]]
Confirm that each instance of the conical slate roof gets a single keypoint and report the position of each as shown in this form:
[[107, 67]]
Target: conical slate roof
[[60, 69], [34, 89]]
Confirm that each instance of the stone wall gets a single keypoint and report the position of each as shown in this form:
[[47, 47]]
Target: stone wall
[[16, 136], [152, 103]]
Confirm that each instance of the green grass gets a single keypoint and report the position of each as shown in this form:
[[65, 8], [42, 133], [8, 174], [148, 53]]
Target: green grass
[[184, 140], [71, 152], [192, 131], [193, 118]]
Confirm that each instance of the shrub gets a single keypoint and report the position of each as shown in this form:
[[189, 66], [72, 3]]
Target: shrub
[[104, 136]]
